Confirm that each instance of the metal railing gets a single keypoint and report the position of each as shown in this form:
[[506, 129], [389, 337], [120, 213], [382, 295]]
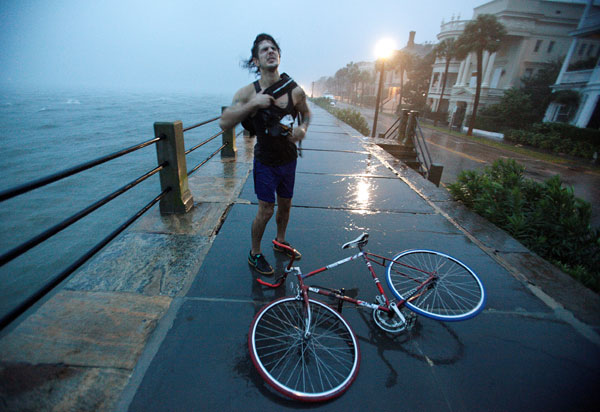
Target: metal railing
[[392, 131], [174, 192], [422, 149], [407, 130]]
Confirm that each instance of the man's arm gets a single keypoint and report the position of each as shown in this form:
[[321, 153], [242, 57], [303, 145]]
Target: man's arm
[[302, 107], [244, 104]]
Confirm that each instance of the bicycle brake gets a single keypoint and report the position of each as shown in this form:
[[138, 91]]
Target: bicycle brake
[[295, 289]]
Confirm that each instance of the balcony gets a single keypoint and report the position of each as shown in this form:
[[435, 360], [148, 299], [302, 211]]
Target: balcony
[[451, 28], [576, 77]]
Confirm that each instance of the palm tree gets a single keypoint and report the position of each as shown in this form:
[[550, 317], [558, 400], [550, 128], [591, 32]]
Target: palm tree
[[401, 62], [341, 76], [353, 78], [482, 34], [446, 49]]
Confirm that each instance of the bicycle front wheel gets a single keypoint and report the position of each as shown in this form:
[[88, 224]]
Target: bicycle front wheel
[[435, 285], [314, 368]]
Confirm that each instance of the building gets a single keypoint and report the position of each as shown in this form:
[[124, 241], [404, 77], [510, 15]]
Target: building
[[580, 72], [395, 80], [537, 32]]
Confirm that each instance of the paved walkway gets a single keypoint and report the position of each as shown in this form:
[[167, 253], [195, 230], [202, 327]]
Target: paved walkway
[[535, 347], [459, 153], [508, 358]]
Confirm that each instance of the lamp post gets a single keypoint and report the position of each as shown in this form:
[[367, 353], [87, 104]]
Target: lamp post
[[383, 49]]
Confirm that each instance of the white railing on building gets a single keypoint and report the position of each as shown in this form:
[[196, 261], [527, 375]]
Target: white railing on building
[[579, 76]]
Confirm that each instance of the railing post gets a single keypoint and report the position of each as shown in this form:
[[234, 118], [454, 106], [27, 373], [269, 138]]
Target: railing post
[[228, 137], [411, 129], [435, 173], [403, 123], [170, 148]]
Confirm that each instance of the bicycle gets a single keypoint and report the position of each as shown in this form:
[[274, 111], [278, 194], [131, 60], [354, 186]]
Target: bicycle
[[307, 351]]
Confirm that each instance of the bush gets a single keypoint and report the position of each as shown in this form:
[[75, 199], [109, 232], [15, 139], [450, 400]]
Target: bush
[[441, 117], [353, 118], [547, 218], [559, 138], [515, 111], [348, 116]]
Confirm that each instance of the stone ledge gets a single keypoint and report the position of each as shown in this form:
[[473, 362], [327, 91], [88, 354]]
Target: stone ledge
[[91, 329], [25, 387]]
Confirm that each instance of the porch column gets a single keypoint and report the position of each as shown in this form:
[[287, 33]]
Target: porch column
[[488, 71]]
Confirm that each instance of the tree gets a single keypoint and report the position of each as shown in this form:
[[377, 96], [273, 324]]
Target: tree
[[538, 87], [419, 77], [514, 111], [341, 77], [353, 75], [520, 108], [401, 62], [482, 34], [446, 49]]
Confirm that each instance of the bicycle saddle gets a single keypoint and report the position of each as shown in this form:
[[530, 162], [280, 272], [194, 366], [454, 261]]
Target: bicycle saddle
[[361, 240]]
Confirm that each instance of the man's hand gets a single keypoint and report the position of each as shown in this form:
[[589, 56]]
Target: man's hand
[[262, 101], [245, 103], [298, 134]]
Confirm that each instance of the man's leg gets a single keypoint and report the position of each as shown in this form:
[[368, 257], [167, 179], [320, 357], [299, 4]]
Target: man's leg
[[283, 216], [265, 211], [284, 205]]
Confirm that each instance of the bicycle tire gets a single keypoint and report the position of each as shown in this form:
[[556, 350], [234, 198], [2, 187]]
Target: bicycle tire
[[456, 294], [316, 369]]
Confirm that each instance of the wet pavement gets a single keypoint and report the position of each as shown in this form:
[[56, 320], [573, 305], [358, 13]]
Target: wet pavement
[[457, 154], [525, 351]]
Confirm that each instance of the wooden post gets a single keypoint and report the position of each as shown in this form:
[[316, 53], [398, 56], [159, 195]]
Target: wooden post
[[411, 129], [170, 148], [228, 137], [435, 174], [403, 123]]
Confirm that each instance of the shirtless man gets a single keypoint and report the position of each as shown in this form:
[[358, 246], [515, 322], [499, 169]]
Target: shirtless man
[[268, 108]]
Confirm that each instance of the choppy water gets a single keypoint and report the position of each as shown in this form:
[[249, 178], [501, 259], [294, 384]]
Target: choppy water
[[46, 132]]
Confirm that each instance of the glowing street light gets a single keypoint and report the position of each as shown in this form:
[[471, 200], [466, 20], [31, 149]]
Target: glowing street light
[[383, 50]]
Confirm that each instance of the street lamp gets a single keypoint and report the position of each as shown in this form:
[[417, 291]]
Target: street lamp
[[383, 49]]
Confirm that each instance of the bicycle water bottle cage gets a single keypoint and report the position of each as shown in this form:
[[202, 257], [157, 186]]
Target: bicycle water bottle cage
[[359, 241]]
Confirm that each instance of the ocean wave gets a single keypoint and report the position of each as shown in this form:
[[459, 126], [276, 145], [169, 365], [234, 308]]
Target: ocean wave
[[72, 101]]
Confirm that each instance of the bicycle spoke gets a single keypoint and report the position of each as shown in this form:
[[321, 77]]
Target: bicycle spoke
[[320, 364], [454, 292]]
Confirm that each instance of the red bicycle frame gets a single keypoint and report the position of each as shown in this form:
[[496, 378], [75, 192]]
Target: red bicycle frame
[[368, 258]]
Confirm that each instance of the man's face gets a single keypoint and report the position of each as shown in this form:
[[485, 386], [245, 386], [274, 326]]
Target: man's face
[[268, 56]]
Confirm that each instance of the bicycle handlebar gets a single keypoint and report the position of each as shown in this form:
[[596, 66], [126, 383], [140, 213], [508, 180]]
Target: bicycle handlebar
[[280, 280], [291, 251]]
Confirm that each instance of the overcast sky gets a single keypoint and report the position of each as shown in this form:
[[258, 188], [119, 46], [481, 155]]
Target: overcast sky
[[197, 45]]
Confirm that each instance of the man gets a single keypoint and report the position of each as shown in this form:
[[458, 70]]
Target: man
[[268, 108]]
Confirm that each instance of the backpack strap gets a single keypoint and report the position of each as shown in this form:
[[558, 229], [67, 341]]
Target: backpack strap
[[257, 86], [284, 85]]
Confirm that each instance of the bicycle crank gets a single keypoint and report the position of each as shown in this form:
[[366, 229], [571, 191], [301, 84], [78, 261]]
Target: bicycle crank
[[393, 321]]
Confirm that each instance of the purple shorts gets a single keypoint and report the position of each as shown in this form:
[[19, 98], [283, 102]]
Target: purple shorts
[[269, 180]]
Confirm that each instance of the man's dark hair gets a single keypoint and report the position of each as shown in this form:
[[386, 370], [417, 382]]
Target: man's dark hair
[[249, 64]]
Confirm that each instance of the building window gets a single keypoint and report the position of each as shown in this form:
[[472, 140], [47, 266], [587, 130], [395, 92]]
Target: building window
[[565, 113], [528, 73], [435, 84], [582, 49], [551, 46], [590, 50], [538, 44]]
